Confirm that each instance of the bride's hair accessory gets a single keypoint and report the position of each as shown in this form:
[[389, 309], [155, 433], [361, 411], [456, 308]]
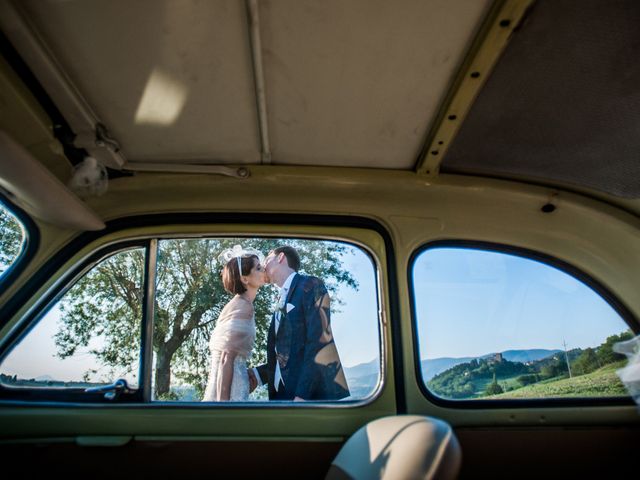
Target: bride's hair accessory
[[238, 252]]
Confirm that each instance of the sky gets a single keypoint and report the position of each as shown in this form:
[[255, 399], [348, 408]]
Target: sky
[[468, 303]]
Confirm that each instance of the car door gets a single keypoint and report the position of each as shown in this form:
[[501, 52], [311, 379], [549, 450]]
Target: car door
[[82, 354], [519, 351]]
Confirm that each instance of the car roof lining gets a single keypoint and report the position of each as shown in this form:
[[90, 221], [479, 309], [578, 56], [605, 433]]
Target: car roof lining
[[352, 85], [346, 83]]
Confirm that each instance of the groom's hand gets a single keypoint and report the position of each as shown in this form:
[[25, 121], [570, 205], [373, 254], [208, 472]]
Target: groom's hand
[[253, 381]]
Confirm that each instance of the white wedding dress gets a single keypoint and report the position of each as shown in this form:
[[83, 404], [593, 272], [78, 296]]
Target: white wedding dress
[[235, 332]]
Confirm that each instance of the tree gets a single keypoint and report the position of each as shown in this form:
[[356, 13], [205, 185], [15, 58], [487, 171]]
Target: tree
[[527, 379], [605, 351], [188, 301], [11, 238], [555, 366], [494, 387], [587, 362], [107, 304]]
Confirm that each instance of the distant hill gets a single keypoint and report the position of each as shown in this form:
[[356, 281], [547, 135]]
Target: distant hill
[[492, 374], [362, 378], [363, 369], [433, 366], [362, 374]]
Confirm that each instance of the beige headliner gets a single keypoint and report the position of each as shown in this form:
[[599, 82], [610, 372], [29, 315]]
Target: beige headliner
[[353, 83]]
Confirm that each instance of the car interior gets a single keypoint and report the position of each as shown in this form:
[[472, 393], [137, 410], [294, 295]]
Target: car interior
[[461, 177]]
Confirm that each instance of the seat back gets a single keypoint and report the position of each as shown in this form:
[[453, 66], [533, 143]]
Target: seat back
[[399, 447]]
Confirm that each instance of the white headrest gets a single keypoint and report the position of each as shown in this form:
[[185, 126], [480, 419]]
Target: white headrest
[[399, 447]]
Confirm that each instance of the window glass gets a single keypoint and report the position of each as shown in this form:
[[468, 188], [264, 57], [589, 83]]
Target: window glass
[[90, 336], [12, 239], [497, 326], [327, 343]]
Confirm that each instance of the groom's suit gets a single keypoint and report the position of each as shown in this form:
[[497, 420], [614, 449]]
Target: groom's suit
[[303, 346]]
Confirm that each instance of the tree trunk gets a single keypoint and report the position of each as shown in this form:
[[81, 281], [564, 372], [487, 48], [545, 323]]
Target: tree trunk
[[163, 372]]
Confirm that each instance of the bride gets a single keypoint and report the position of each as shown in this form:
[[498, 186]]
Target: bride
[[233, 338]]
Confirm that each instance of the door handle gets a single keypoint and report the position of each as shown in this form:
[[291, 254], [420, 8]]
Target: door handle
[[113, 391]]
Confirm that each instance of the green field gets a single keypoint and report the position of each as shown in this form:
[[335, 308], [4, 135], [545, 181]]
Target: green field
[[601, 383]]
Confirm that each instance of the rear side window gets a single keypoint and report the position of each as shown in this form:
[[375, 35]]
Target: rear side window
[[496, 326], [12, 239]]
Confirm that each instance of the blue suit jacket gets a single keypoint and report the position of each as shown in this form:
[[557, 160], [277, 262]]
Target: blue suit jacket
[[309, 361]]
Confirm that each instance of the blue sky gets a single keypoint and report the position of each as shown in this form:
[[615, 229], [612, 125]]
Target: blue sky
[[355, 326]]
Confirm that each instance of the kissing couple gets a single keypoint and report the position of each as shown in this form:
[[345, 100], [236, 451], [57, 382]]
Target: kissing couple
[[302, 359]]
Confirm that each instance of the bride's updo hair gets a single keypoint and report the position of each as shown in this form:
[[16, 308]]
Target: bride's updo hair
[[231, 274]]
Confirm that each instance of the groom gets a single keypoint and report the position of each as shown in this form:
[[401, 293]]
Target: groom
[[302, 359]]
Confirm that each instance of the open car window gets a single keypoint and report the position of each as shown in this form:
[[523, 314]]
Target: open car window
[[498, 326], [101, 328]]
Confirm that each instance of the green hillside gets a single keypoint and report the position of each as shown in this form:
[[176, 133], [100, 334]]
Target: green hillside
[[602, 382], [593, 372]]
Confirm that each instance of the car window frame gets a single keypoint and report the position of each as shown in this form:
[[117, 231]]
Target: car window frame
[[150, 240], [30, 243], [549, 261], [376, 264]]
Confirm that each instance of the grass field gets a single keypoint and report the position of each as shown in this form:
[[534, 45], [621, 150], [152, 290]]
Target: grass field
[[601, 383]]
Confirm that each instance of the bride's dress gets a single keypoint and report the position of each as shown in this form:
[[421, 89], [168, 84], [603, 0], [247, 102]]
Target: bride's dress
[[235, 332]]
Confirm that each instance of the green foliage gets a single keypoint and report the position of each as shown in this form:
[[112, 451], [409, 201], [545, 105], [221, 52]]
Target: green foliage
[[605, 351], [11, 238], [587, 362], [554, 366], [493, 388], [107, 304], [189, 298], [527, 379]]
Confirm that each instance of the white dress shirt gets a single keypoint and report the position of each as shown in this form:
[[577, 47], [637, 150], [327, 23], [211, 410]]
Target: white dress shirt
[[284, 293]]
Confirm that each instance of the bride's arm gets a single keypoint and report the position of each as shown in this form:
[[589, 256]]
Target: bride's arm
[[225, 375]]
